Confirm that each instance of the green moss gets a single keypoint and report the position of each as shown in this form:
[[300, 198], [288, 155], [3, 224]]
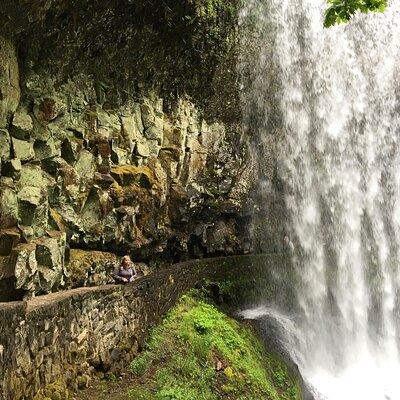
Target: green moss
[[140, 364], [200, 353], [54, 391]]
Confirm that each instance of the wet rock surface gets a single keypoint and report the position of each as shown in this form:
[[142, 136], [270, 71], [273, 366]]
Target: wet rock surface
[[134, 177]]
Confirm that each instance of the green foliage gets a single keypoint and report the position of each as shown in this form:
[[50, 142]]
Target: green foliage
[[184, 350], [176, 392], [110, 377], [139, 394], [343, 10], [140, 364]]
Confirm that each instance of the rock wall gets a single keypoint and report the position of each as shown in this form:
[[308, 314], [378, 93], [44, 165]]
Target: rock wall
[[135, 177], [73, 336]]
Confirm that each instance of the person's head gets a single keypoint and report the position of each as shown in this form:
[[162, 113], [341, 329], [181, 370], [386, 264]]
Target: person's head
[[126, 262]]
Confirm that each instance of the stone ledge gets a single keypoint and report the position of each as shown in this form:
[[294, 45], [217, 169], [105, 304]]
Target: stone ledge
[[87, 331]]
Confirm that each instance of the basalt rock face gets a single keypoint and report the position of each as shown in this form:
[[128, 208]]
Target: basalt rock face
[[119, 163]]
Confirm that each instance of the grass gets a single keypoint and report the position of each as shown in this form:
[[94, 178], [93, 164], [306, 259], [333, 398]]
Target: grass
[[200, 353]]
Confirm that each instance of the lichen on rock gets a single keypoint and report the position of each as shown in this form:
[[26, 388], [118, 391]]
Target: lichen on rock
[[110, 157]]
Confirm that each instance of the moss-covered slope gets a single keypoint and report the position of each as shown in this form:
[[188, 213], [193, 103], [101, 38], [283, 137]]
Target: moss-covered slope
[[200, 353]]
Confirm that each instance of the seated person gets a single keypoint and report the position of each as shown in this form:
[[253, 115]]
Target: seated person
[[125, 272]]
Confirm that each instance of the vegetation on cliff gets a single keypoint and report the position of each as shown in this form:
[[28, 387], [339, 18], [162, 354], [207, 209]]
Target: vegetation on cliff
[[200, 353]]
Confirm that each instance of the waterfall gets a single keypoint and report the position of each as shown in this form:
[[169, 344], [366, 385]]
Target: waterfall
[[329, 99]]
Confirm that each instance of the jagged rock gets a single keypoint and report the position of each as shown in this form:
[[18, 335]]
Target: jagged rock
[[10, 92], [88, 268], [8, 207], [50, 258], [23, 150], [119, 156], [56, 221], [132, 177], [129, 175], [138, 117], [154, 148], [131, 130], [104, 148], [211, 136], [5, 144], [86, 165], [32, 211], [107, 124], [22, 125], [48, 109], [9, 238], [156, 130], [142, 149], [91, 213], [70, 176], [25, 266], [127, 210], [31, 195], [70, 149], [33, 175], [103, 180], [39, 264], [148, 115], [45, 149], [6, 270], [173, 136], [12, 169]]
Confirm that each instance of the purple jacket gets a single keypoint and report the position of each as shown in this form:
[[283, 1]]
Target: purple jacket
[[120, 273]]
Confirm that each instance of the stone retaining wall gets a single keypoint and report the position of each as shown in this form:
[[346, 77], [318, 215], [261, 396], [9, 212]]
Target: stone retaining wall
[[76, 334]]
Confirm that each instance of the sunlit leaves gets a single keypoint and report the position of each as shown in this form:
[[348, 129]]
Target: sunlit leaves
[[343, 10]]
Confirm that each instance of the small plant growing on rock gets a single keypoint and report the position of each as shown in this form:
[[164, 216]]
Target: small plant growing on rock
[[140, 364]]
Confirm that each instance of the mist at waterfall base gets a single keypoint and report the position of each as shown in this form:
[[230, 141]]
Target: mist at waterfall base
[[330, 99]]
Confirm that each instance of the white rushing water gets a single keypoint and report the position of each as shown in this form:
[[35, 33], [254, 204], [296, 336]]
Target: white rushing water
[[330, 98]]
